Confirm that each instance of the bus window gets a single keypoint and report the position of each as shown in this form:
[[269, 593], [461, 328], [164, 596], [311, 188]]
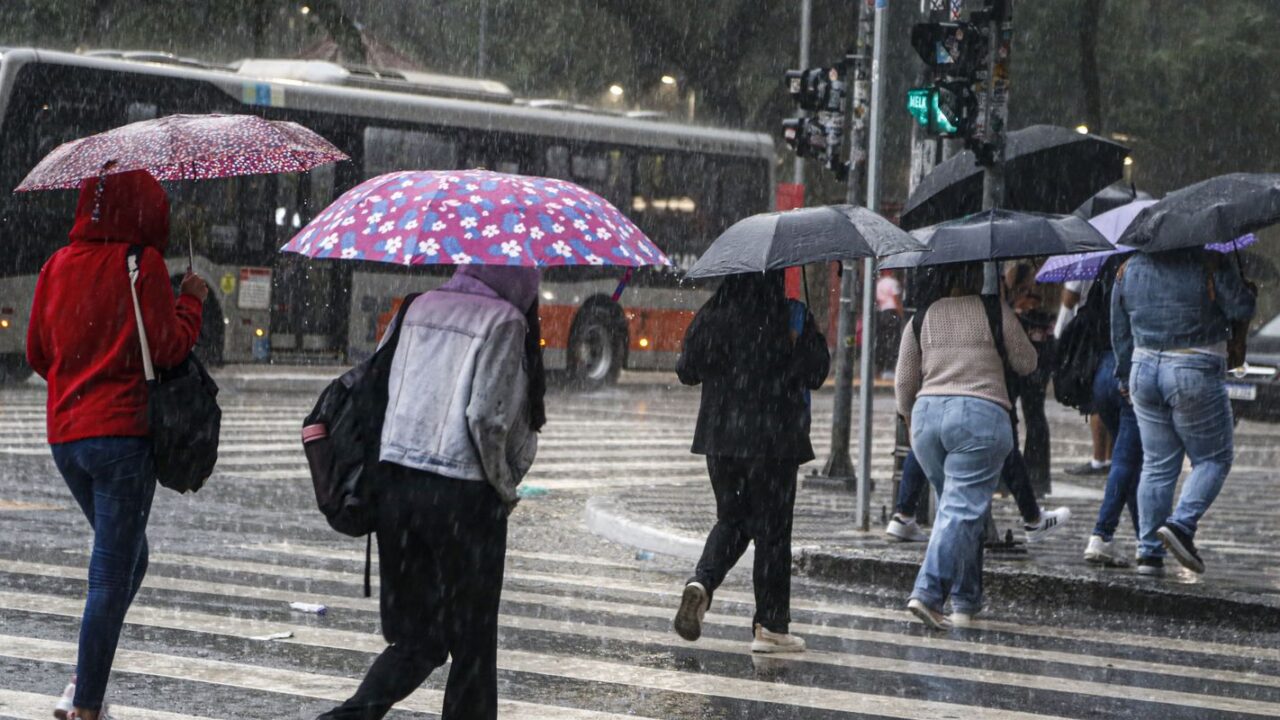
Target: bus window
[[558, 162], [390, 149]]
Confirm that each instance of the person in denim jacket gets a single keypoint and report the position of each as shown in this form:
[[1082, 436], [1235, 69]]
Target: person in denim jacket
[[1171, 316]]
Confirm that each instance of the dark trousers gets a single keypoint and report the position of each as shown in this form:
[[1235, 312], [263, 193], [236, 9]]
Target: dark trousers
[[441, 547], [1031, 393], [1126, 456], [1014, 475], [113, 482], [754, 500]]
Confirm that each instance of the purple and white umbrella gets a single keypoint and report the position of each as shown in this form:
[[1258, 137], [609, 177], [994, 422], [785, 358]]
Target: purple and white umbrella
[[459, 217], [1112, 224]]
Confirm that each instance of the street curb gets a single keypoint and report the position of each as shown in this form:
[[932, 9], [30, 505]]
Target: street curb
[[604, 519], [1011, 585], [1004, 585]]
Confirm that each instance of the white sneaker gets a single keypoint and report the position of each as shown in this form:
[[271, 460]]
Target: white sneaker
[[961, 619], [1050, 521], [1103, 552], [65, 705], [767, 641], [928, 615], [905, 529], [693, 606]]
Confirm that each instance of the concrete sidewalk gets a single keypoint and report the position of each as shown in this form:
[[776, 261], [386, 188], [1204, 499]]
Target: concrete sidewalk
[[1237, 539]]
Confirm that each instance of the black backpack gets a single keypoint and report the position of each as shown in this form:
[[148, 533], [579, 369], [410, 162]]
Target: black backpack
[[182, 409], [1084, 341], [342, 439]]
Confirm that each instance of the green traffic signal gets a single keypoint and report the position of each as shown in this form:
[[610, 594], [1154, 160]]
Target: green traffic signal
[[924, 105]]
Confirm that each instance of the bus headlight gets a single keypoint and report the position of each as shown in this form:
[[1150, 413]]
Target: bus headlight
[[644, 342], [4, 323]]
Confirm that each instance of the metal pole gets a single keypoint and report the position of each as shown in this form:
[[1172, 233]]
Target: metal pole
[[480, 44], [806, 18], [839, 466], [869, 272]]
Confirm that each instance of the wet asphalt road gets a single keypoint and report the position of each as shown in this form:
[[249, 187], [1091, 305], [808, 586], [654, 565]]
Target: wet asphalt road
[[585, 623]]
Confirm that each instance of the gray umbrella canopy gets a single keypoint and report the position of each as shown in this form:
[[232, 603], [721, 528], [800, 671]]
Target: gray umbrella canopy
[[1000, 235], [1216, 210], [771, 241]]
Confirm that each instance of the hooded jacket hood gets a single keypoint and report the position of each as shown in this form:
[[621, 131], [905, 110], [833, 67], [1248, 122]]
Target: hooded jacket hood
[[132, 208], [517, 285]]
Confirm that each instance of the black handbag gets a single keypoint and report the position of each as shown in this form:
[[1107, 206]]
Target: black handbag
[[182, 409]]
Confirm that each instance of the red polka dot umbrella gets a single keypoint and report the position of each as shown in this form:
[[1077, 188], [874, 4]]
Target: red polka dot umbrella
[[186, 147]]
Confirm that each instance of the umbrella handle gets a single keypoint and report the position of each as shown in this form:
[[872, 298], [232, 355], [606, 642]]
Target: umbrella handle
[[622, 284]]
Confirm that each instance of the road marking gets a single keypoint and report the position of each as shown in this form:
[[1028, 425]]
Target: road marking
[[34, 706], [673, 590], [577, 668], [664, 610], [272, 680]]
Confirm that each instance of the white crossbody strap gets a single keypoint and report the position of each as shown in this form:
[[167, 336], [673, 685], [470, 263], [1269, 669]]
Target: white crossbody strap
[[148, 369]]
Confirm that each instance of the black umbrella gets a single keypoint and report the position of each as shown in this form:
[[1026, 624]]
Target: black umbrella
[[1216, 210], [1047, 169], [1000, 235], [771, 241], [1110, 198]]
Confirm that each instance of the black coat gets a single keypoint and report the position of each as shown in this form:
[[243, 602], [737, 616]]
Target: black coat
[[754, 377]]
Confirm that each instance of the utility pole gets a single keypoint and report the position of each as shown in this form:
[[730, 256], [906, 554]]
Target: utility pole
[[863, 500], [480, 43], [839, 466], [806, 19]]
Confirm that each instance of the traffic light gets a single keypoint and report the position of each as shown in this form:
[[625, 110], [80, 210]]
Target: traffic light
[[955, 49], [821, 91], [944, 108], [957, 53]]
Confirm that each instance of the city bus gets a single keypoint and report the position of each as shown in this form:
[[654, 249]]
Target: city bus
[[681, 183]]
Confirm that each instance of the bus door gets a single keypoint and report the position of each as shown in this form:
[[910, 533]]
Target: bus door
[[308, 297]]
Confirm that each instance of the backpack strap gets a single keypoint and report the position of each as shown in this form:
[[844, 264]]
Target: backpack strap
[[995, 321], [133, 262]]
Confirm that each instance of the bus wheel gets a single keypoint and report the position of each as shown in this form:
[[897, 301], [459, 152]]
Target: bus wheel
[[14, 369], [597, 346]]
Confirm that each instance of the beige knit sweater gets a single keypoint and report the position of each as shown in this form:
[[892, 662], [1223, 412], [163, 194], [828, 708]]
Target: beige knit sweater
[[960, 355]]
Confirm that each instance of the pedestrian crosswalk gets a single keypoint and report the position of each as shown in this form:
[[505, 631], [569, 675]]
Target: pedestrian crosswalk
[[586, 445], [606, 631], [585, 627]]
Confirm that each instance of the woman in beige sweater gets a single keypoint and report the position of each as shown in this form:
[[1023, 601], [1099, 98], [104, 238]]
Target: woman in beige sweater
[[951, 389]]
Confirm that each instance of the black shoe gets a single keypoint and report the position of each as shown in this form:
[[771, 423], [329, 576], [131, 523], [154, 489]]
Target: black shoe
[[693, 606], [1151, 566], [1180, 544]]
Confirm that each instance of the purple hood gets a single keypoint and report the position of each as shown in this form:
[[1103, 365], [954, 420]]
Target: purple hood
[[517, 285]]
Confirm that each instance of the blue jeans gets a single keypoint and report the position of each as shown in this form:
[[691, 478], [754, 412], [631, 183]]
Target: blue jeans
[[1126, 456], [1182, 409], [961, 442], [113, 481]]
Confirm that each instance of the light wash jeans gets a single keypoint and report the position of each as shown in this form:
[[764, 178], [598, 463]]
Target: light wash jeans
[[1183, 410], [961, 442]]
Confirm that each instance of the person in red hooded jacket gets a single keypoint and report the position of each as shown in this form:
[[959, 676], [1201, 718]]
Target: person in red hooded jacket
[[83, 339]]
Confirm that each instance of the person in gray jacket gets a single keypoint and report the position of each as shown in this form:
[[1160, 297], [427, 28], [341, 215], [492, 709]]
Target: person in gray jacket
[[465, 402]]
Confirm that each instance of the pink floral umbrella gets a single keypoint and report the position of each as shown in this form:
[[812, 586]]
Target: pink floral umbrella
[[186, 147], [454, 217]]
